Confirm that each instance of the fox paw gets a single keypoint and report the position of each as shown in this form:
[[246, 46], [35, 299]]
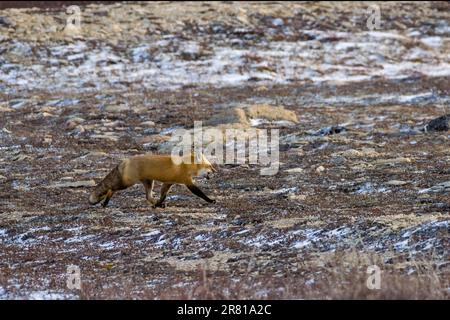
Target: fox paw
[[159, 205]]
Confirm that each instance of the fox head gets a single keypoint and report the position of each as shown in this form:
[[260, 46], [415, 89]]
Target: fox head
[[113, 181], [203, 168], [97, 195]]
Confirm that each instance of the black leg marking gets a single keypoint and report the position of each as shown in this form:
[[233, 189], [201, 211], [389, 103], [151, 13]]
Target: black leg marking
[[195, 190], [107, 198]]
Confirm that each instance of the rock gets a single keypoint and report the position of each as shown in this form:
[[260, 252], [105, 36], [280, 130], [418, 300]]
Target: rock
[[320, 169], [295, 170], [261, 89], [337, 160], [79, 129], [234, 117], [239, 117], [439, 124], [299, 197], [397, 183], [148, 124], [17, 103], [2, 177], [393, 161], [329, 131], [5, 108], [47, 114], [105, 136], [272, 113], [72, 123], [21, 157], [72, 184], [64, 102], [352, 153], [441, 187], [5, 22], [277, 22]]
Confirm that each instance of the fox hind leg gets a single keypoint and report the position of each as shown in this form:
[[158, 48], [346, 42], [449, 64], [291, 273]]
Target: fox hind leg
[[164, 191], [196, 190]]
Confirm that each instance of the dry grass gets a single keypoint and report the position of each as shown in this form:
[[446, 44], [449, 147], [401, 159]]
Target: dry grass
[[339, 276]]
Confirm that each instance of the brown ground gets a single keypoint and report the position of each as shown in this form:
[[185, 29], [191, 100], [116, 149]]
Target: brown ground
[[293, 235]]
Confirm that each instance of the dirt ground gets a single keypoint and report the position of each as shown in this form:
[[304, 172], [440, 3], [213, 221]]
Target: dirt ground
[[373, 191]]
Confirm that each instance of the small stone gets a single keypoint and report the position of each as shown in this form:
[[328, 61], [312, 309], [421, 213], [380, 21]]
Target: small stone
[[72, 123], [278, 22], [295, 170], [21, 157], [352, 153], [320, 169], [261, 89], [299, 197], [337, 160], [79, 129], [105, 136], [396, 183], [394, 161], [148, 124]]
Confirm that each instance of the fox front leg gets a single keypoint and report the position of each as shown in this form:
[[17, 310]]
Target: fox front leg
[[195, 190], [164, 191], [108, 196], [148, 185]]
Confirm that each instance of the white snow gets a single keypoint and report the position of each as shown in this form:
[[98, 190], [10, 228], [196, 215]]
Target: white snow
[[151, 233], [78, 239], [108, 245], [202, 237], [353, 57]]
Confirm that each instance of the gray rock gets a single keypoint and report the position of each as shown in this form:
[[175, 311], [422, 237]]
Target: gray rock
[[5, 22], [441, 187], [17, 103], [439, 124]]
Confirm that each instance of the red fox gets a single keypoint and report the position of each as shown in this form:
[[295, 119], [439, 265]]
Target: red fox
[[146, 169]]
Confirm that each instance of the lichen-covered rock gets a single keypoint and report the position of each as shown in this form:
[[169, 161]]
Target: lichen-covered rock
[[234, 117], [272, 113], [240, 117]]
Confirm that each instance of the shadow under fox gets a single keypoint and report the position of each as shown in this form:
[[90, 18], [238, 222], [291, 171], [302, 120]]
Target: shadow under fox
[[146, 169]]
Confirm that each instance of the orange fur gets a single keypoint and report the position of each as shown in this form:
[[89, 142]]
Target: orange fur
[[148, 167]]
